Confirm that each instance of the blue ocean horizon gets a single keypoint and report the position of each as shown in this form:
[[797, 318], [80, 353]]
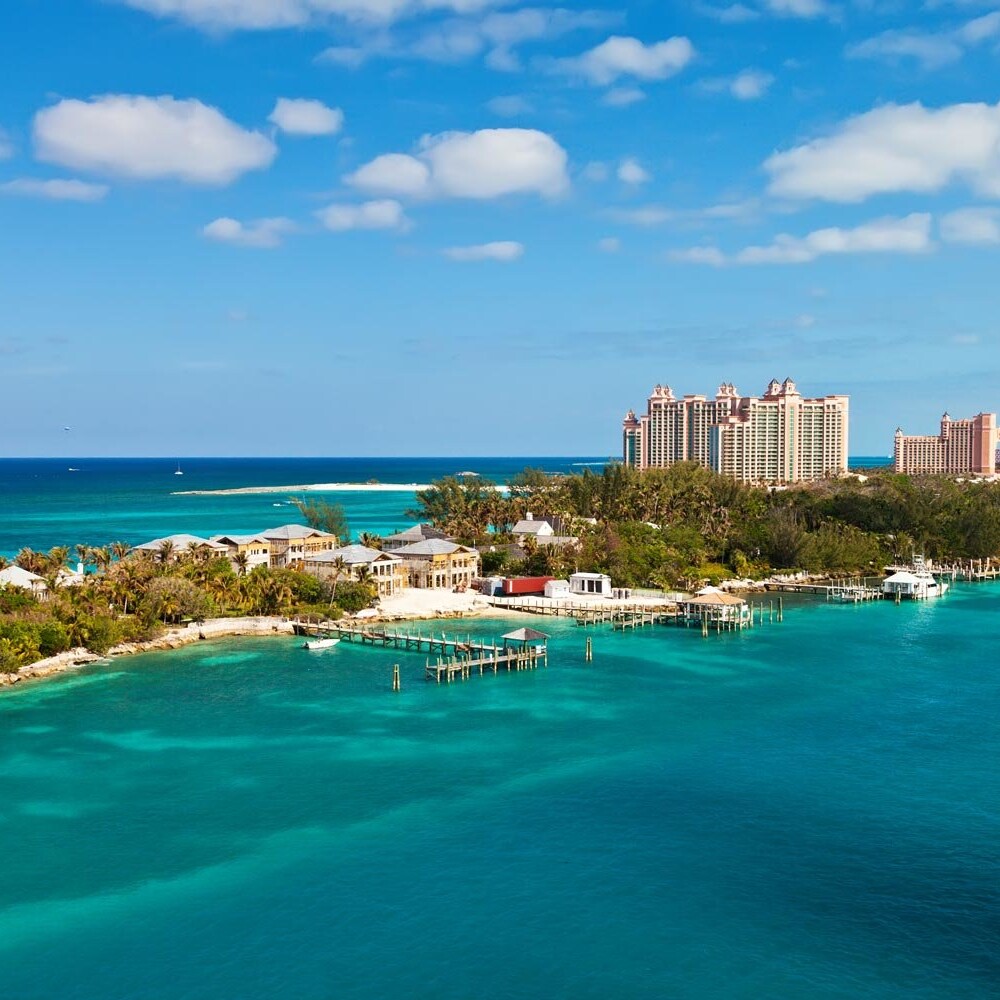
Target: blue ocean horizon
[[46, 502]]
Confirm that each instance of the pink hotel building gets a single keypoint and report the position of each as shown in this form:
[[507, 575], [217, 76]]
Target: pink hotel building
[[779, 437], [963, 446]]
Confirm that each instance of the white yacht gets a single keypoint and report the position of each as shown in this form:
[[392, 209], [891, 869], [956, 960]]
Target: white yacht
[[914, 583], [314, 644]]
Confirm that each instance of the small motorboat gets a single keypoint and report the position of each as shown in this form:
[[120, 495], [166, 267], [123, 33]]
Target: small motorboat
[[315, 644]]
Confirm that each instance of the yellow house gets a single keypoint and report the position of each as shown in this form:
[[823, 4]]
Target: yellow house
[[437, 564], [356, 562], [293, 543], [256, 548]]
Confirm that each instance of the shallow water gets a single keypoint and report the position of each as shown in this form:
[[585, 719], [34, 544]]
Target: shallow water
[[808, 810]]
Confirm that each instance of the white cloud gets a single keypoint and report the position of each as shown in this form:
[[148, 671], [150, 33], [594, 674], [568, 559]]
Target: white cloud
[[501, 250], [149, 138], [909, 235], [711, 256], [262, 234], [385, 214], [644, 216], [392, 173], [806, 9], [750, 85], [304, 117], [932, 49], [972, 226], [622, 97], [510, 106], [596, 171], [631, 171], [266, 14], [736, 13], [610, 244], [489, 163], [895, 148], [620, 56], [55, 190]]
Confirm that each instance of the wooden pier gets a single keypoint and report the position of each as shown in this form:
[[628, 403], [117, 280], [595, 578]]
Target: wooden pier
[[457, 658]]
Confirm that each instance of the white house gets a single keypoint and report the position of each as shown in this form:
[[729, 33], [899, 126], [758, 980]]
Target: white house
[[532, 528], [14, 576], [590, 585]]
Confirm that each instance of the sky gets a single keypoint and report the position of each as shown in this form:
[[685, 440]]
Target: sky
[[481, 227]]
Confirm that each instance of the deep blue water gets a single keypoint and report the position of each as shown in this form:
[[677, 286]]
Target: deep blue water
[[809, 810], [133, 500]]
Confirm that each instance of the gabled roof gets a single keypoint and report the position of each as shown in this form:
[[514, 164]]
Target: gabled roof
[[431, 547], [532, 526], [353, 555], [289, 531], [418, 533], [15, 576], [525, 635], [180, 543], [239, 539], [716, 600]]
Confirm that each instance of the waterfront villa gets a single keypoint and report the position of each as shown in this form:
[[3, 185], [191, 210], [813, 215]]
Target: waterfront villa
[[293, 543], [173, 547], [356, 562], [418, 533], [438, 564], [255, 548], [15, 576]]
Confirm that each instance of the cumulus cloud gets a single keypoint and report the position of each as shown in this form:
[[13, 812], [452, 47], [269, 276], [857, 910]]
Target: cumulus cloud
[[261, 234], [631, 171], [932, 49], [750, 85], [382, 214], [149, 138], [486, 164], [895, 148], [55, 190], [297, 116], [620, 56], [251, 15], [501, 250], [972, 226], [909, 235]]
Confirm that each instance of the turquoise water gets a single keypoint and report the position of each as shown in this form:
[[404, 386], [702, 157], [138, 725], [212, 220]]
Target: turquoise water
[[808, 810]]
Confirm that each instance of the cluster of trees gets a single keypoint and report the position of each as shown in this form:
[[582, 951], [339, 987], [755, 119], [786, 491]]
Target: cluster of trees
[[132, 595], [684, 525]]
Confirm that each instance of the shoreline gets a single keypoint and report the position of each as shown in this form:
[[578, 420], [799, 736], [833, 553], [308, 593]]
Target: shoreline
[[177, 637], [313, 488]]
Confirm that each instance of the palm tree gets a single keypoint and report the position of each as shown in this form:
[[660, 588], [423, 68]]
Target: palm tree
[[242, 563], [166, 551], [32, 561], [101, 557], [120, 550], [370, 539]]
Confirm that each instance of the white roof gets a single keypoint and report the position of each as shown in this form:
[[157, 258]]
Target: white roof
[[15, 576], [353, 555], [531, 527], [239, 539], [904, 576], [590, 576], [289, 531], [179, 542], [431, 547]]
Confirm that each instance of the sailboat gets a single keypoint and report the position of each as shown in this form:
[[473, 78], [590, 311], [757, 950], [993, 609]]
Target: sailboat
[[178, 472]]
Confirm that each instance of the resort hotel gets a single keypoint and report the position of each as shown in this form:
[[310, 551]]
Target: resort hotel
[[963, 446], [780, 437]]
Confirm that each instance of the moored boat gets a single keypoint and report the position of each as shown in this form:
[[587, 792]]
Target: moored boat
[[915, 583], [315, 644]]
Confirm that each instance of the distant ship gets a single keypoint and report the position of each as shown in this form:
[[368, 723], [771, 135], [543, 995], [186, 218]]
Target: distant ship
[[178, 472]]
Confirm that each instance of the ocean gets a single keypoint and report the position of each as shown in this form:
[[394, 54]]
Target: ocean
[[59, 501], [807, 810]]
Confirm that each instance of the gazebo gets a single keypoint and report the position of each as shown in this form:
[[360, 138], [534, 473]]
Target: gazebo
[[529, 643], [714, 605]]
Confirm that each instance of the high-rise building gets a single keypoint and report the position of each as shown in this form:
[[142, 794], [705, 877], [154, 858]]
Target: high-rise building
[[779, 437], [963, 446]]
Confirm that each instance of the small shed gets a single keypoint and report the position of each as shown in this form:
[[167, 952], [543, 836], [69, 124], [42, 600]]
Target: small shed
[[590, 584], [557, 588]]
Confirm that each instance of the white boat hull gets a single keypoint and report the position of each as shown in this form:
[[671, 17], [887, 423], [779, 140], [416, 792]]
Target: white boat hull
[[316, 644]]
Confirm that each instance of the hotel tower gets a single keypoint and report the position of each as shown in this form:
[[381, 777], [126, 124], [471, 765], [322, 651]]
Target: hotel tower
[[963, 446], [779, 437]]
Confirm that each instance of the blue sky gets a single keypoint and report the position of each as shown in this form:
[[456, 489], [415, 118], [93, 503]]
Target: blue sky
[[471, 227]]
